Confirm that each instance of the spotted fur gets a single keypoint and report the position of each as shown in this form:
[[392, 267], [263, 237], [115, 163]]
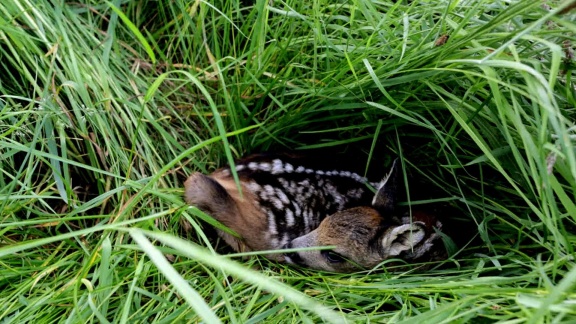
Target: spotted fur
[[280, 201]]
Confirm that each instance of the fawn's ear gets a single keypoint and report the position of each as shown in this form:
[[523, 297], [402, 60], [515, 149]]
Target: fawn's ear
[[209, 196], [402, 238], [385, 199]]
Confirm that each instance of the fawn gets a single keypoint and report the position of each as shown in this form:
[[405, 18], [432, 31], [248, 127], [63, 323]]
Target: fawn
[[285, 204]]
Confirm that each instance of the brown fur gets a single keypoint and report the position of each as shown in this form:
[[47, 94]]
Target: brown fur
[[361, 237], [240, 212], [351, 231]]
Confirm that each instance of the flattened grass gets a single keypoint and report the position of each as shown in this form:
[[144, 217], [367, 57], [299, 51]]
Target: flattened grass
[[106, 107]]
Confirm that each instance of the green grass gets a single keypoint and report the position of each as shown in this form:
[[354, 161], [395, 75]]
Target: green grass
[[106, 107]]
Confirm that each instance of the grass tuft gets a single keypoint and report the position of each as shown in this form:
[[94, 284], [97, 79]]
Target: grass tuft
[[106, 107]]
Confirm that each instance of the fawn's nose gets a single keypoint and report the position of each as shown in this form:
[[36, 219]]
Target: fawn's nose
[[292, 257]]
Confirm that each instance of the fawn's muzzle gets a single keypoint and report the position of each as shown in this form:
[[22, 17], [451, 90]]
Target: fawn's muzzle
[[292, 257]]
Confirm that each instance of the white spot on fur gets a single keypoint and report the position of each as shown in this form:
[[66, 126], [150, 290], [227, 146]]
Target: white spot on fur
[[277, 167], [282, 196], [253, 166], [269, 189], [253, 186], [272, 223], [306, 216], [265, 166], [288, 186], [270, 194], [289, 218], [297, 210]]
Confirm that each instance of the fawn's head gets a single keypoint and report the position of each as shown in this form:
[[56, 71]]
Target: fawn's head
[[363, 237]]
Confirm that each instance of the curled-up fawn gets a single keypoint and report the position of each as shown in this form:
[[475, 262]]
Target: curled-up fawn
[[285, 204]]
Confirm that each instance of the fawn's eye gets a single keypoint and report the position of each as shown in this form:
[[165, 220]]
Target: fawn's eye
[[333, 257]]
